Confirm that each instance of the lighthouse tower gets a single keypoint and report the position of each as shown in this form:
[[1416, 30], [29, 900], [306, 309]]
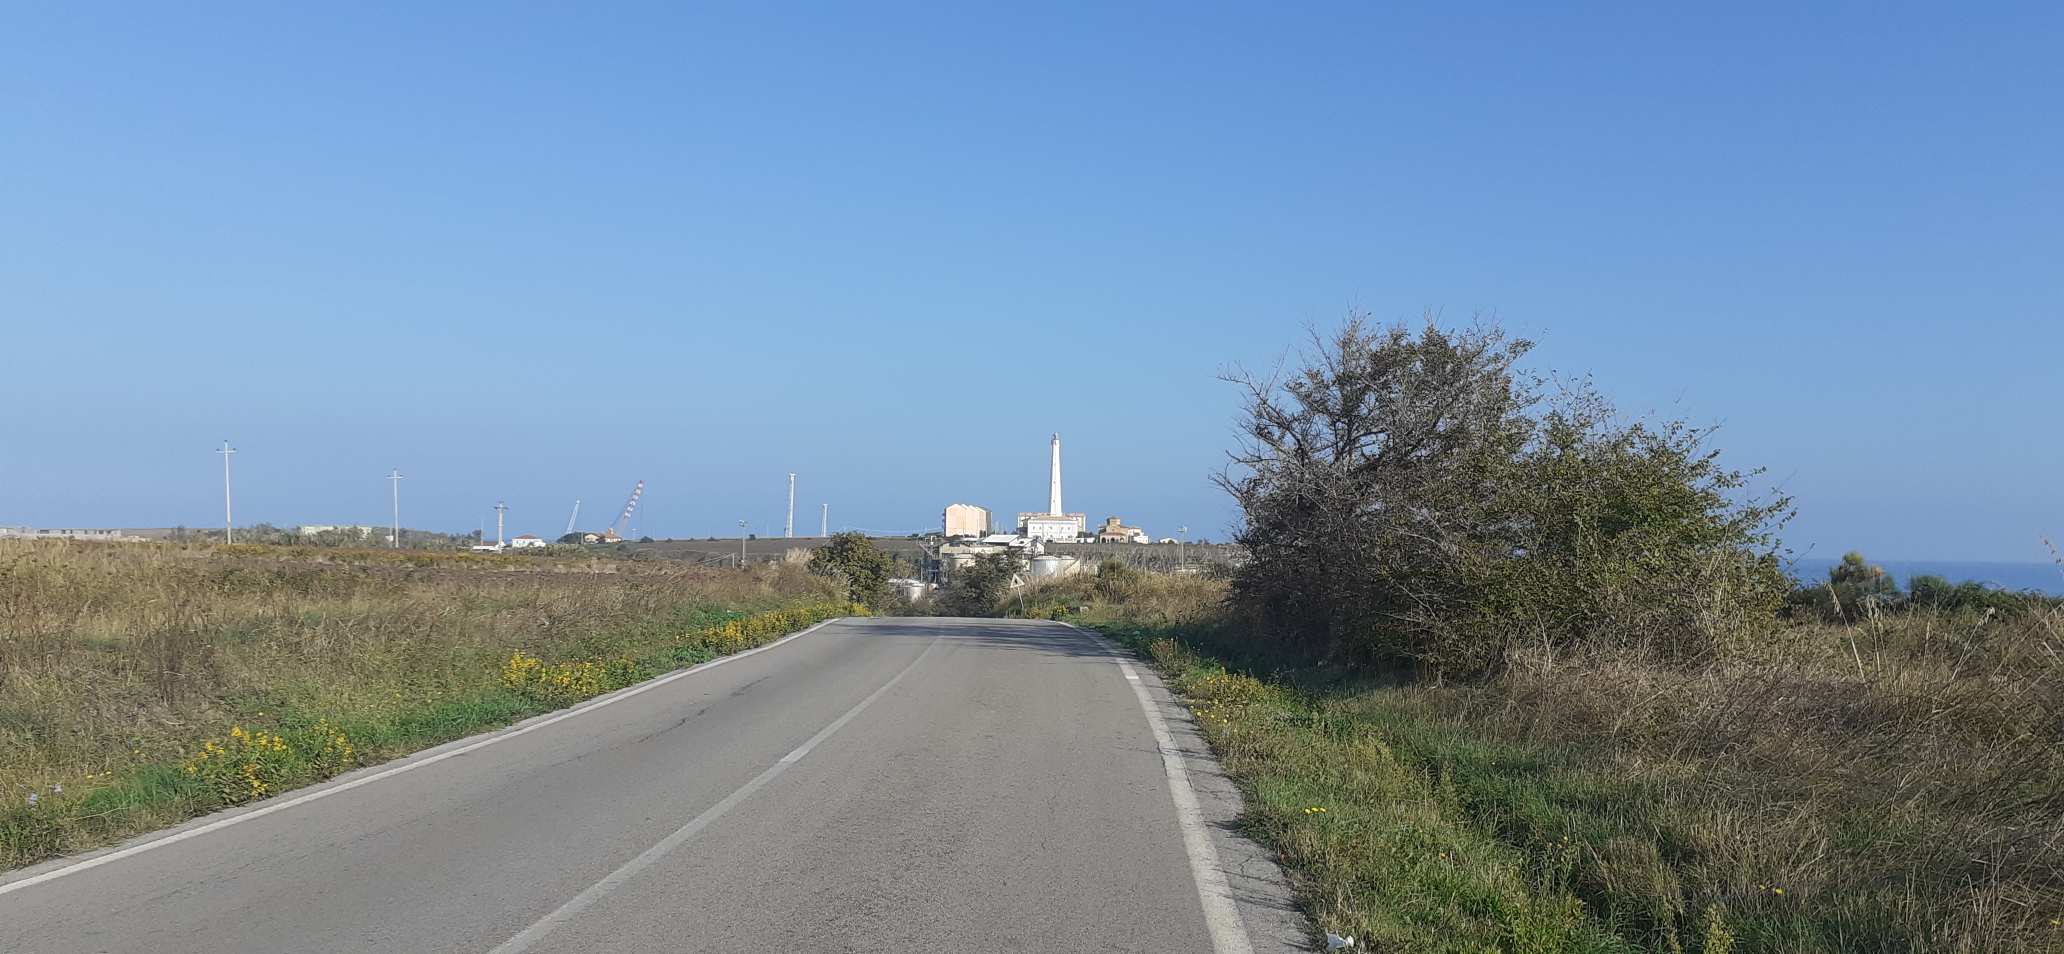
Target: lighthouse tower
[[1053, 487], [1055, 524]]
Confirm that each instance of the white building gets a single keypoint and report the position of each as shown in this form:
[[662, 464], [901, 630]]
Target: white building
[[1055, 527], [311, 529], [525, 541], [33, 533]]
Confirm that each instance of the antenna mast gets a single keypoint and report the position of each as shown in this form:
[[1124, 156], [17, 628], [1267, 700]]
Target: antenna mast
[[228, 522]]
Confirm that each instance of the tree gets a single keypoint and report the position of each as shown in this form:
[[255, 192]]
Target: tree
[[1368, 484], [574, 537], [1410, 496], [1855, 588], [1927, 589], [1860, 584], [1938, 593], [854, 560], [980, 587]]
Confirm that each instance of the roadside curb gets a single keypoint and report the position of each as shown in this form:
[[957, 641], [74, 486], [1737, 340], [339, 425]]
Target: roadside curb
[[1260, 891], [55, 868]]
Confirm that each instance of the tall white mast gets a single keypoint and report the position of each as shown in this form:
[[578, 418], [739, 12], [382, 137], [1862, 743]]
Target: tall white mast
[[228, 521], [394, 480]]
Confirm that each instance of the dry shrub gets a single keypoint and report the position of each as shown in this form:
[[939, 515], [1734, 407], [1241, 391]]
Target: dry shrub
[[1409, 495], [1903, 779], [1143, 599]]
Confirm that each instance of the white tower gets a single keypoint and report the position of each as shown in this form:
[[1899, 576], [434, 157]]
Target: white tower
[[790, 532], [1053, 490]]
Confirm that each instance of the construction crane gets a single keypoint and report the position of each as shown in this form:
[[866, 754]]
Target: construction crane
[[623, 520], [576, 515]]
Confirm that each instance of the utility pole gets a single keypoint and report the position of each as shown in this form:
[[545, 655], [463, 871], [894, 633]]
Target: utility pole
[[824, 520], [1182, 539], [501, 508], [228, 521], [741, 544], [790, 531], [394, 536]]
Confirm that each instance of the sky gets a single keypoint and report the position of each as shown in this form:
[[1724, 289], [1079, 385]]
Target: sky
[[539, 252]]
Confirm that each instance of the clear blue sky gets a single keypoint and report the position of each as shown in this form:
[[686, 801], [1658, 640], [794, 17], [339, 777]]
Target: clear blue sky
[[541, 254]]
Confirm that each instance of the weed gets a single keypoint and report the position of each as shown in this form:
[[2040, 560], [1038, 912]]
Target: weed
[[143, 684]]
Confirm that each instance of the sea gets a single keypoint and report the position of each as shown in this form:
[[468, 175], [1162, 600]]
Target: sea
[[2041, 577]]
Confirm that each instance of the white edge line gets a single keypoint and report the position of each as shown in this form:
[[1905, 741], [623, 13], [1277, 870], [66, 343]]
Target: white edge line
[[409, 764], [1221, 912], [560, 915]]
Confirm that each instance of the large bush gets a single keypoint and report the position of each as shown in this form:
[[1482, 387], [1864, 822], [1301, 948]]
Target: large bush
[[1408, 496], [978, 588], [860, 565]]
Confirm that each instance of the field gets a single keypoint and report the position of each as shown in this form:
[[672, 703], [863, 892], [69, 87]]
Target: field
[[723, 551], [1895, 785], [142, 684]]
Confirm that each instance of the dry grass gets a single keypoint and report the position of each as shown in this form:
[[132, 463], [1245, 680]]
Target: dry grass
[[118, 662], [1902, 780], [1892, 786]]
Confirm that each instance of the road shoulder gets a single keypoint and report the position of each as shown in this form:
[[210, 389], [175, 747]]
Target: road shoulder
[[1261, 892]]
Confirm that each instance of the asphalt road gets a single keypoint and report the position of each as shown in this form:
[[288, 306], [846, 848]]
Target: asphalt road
[[905, 785]]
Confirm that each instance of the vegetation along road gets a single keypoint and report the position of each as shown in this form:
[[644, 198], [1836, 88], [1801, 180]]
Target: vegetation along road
[[913, 784]]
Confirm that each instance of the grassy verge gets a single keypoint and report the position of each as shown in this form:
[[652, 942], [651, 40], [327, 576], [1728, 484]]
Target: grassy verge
[[1379, 848], [1894, 786], [141, 686]]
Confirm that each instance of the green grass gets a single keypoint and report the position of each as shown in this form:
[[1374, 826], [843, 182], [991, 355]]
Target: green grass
[[1894, 785], [154, 794], [141, 686], [1378, 847], [1577, 813]]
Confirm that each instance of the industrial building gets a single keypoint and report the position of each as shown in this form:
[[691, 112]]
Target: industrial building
[[311, 529], [966, 520], [1059, 528], [1055, 524], [33, 533]]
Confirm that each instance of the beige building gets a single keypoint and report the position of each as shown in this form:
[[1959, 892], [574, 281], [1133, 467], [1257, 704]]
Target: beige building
[[966, 520], [1115, 532]]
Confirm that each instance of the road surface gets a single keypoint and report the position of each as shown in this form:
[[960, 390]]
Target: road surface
[[906, 785]]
